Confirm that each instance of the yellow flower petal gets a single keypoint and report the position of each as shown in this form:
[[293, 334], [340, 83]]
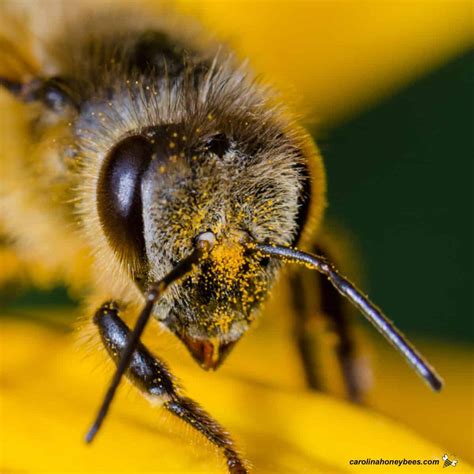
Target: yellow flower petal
[[50, 391], [334, 57]]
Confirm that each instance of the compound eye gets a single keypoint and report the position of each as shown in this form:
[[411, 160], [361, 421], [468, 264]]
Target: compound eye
[[119, 199]]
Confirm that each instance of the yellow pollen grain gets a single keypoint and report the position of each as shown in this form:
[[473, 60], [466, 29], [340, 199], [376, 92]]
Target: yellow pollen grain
[[223, 321], [227, 260]]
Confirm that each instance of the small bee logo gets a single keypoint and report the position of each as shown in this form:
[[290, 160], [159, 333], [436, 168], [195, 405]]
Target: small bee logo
[[448, 462]]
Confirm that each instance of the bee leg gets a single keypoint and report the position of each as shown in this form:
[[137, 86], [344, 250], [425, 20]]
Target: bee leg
[[334, 308], [304, 337], [153, 378]]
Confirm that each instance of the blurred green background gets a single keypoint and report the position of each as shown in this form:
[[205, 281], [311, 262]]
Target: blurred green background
[[400, 178]]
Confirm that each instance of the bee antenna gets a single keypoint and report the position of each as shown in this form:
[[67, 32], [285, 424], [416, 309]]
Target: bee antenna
[[153, 294], [360, 301]]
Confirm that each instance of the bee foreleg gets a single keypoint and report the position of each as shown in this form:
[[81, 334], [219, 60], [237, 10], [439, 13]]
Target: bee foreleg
[[153, 378]]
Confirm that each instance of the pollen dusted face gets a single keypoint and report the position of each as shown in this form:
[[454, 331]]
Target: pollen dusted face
[[222, 296], [208, 154], [204, 182]]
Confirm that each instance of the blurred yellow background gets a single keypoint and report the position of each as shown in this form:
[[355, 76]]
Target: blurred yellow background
[[330, 59], [334, 57]]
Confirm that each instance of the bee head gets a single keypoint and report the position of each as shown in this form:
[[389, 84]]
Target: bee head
[[169, 186]]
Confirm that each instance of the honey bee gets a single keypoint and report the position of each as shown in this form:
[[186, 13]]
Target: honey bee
[[156, 170]]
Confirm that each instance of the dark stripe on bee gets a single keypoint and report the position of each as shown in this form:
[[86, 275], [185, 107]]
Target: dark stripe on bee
[[157, 51], [53, 93]]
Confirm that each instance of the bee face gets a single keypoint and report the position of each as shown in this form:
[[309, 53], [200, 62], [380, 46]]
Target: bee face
[[163, 187]]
